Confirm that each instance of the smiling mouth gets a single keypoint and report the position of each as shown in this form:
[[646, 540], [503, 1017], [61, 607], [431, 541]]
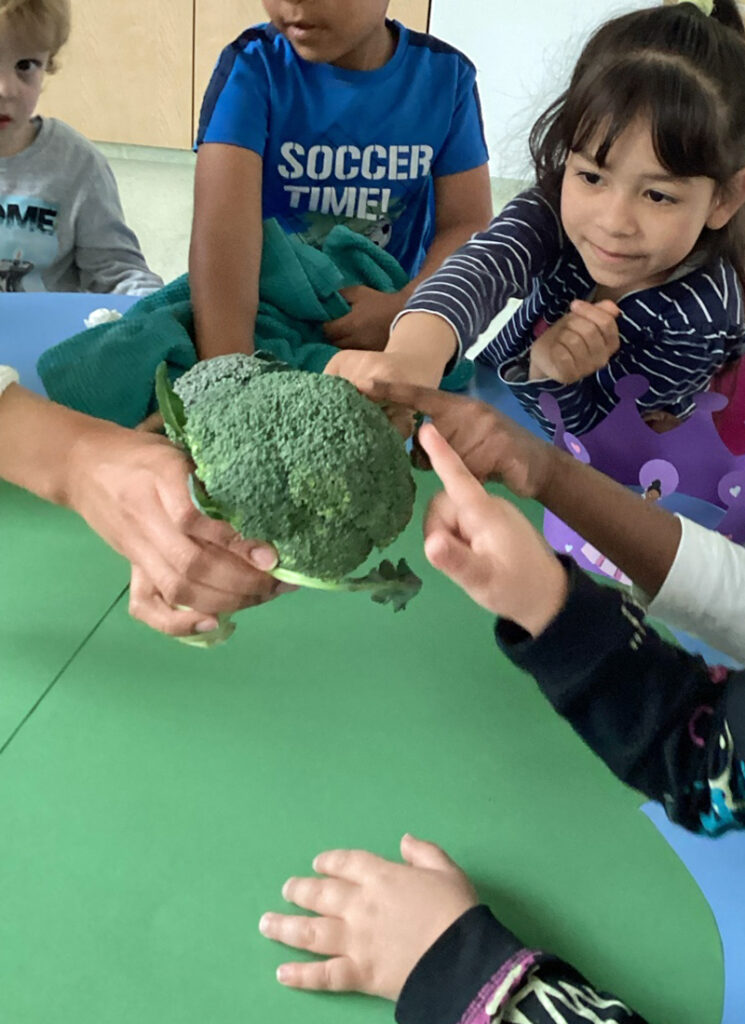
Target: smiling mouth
[[617, 257]]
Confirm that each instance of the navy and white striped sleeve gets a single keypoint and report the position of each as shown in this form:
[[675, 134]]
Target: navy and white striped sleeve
[[503, 262], [677, 335], [683, 332]]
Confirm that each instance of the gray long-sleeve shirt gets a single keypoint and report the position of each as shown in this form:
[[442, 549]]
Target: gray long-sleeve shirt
[[61, 222]]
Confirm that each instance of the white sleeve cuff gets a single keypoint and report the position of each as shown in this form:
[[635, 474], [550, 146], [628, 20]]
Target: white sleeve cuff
[[7, 376], [704, 592]]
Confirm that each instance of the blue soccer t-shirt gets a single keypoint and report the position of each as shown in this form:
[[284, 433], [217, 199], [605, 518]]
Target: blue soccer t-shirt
[[361, 148]]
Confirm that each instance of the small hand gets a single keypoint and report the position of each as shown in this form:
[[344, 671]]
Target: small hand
[[488, 547], [578, 345], [368, 323], [377, 918], [492, 446], [661, 421], [361, 367]]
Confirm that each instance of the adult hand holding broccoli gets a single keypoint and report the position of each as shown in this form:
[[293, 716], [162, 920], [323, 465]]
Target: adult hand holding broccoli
[[301, 460]]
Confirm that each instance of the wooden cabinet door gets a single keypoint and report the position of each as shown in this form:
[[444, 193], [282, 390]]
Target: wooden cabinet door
[[412, 13], [216, 24], [126, 74]]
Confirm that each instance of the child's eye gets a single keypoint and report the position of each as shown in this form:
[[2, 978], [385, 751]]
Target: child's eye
[[589, 177], [28, 64], [660, 198]]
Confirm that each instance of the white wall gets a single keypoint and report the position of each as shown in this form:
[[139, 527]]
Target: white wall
[[524, 51]]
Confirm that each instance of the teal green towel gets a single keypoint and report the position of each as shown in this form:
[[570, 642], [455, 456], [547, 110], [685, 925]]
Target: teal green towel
[[108, 371]]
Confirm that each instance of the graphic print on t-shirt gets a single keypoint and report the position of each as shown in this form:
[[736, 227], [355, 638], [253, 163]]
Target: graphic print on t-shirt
[[326, 185], [28, 242]]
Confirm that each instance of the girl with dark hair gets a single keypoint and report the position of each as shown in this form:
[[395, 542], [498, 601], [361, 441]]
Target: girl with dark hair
[[629, 253]]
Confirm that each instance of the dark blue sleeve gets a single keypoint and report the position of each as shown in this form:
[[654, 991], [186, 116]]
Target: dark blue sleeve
[[465, 146], [662, 720], [235, 110], [478, 972]]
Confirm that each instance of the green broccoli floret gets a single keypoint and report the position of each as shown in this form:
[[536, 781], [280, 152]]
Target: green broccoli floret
[[299, 459]]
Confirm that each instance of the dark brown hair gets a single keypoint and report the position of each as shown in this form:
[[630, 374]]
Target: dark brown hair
[[680, 69]]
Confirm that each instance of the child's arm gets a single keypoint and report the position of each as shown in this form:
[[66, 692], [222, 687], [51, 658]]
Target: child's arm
[[463, 206], [450, 309], [413, 933], [659, 719], [693, 577], [225, 253], [131, 488], [107, 252], [638, 536]]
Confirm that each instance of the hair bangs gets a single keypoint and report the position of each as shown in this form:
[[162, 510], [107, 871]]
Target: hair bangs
[[42, 23], [684, 118]]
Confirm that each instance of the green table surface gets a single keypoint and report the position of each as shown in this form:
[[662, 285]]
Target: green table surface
[[154, 803], [57, 580]]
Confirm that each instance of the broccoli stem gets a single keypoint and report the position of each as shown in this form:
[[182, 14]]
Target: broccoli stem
[[388, 584], [298, 580]]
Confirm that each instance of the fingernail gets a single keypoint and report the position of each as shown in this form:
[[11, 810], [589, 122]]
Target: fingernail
[[264, 924], [282, 974], [206, 626], [263, 558], [285, 888]]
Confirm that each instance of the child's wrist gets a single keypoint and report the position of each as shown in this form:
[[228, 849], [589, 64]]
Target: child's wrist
[[553, 596]]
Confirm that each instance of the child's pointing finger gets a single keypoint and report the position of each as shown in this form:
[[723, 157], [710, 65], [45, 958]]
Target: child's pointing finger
[[460, 484]]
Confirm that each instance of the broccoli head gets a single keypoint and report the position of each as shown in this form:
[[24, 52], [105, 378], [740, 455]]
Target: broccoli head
[[300, 459]]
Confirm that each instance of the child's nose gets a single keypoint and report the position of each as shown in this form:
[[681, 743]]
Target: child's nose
[[617, 215], [8, 85]]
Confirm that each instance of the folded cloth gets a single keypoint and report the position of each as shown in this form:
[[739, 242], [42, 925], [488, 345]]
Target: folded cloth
[[108, 370]]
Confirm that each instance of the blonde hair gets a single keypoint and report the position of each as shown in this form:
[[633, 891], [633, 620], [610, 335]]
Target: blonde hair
[[45, 22]]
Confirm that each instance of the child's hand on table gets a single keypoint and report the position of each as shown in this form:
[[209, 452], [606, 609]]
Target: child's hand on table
[[368, 323], [376, 918], [578, 345], [488, 547]]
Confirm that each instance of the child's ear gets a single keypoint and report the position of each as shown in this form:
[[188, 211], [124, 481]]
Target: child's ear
[[727, 202]]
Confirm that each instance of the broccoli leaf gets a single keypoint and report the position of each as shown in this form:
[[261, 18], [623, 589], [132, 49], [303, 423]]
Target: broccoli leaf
[[388, 584], [202, 500], [271, 360], [391, 584], [170, 405]]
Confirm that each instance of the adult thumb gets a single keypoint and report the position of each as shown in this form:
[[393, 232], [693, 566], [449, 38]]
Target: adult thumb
[[421, 854]]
